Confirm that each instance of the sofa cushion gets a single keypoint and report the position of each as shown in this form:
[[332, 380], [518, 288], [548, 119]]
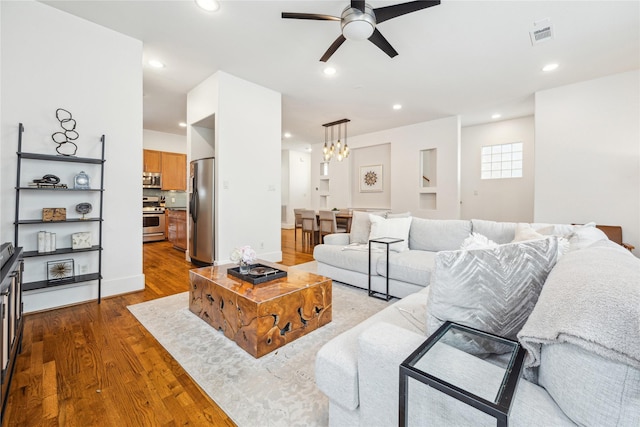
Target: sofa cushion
[[590, 389], [361, 226], [408, 266], [352, 257], [493, 289], [499, 232], [394, 227], [390, 215], [438, 235]]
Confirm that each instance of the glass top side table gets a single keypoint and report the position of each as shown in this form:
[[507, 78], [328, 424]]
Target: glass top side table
[[388, 241], [490, 391]]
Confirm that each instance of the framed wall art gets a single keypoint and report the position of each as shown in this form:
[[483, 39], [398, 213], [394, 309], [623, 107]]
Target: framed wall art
[[60, 270], [371, 179]]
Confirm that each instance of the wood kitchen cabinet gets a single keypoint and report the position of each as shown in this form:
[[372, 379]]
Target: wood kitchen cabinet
[[174, 171], [178, 229], [152, 161]]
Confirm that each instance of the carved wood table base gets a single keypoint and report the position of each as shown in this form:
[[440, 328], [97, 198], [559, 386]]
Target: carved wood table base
[[260, 318]]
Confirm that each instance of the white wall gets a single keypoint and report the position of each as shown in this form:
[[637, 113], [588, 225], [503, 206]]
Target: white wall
[[248, 162], [370, 156], [51, 60], [588, 154], [296, 181], [202, 141], [2, 142], [509, 199], [403, 177], [162, 141]]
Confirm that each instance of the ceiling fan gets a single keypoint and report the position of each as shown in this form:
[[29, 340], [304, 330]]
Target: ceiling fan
[[359, 20]]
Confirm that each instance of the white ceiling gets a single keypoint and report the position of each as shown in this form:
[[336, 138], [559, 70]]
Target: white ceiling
[[471, 58]]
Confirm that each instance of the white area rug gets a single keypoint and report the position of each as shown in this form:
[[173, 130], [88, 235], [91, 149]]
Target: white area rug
[[277, 389]]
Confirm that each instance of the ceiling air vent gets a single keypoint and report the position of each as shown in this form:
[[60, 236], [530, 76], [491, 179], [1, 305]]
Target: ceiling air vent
[[542, 31]]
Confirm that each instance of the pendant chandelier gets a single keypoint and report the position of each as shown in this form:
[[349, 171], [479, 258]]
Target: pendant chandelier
[[339, 149]]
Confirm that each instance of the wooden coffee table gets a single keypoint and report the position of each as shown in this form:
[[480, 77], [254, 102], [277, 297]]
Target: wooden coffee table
[[260, 318]]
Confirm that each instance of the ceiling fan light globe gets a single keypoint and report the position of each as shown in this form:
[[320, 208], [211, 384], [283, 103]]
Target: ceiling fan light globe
[[358, 25], [357, 30]]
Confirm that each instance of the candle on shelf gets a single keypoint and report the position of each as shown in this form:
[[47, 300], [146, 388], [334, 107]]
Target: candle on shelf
[[41, 237], [47, 242]]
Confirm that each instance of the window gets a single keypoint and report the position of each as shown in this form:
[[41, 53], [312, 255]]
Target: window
[[501, 161]]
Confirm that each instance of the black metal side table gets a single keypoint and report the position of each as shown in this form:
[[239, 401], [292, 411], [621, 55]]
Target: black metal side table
[[493, 397], [385, 241]]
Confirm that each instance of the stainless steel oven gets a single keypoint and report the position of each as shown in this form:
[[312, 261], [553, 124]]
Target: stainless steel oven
[[153, 220]]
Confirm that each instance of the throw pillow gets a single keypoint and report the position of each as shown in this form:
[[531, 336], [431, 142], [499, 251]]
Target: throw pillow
[[361, 226], [394, 227], [493, 289], [585, 235], [524, 232], [477, 241]]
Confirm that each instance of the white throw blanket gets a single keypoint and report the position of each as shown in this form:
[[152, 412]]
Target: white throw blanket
[[590, 299], [363, 247]]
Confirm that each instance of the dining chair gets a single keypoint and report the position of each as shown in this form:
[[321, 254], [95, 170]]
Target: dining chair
[[297, 213], [309, 226], [343, 219], [328, 224]]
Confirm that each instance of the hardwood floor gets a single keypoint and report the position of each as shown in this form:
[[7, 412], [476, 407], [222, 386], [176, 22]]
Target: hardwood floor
[[96, 365]]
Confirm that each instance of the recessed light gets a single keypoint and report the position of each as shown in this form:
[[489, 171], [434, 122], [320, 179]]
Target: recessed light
[[397, 107], [287, 135], [496, 116], [208, 5], [156, 64], [329, 71], [182, 124], [549, 67]]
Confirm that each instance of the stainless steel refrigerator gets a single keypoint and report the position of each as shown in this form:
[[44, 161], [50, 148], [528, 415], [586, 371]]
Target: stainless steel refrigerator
[[202, 212]]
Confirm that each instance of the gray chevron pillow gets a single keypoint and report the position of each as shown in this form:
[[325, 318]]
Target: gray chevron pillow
[[492, 289]]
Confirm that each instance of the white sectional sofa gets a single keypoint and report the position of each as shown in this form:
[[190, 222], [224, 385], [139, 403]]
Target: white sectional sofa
[[343, 257], [578, 316]]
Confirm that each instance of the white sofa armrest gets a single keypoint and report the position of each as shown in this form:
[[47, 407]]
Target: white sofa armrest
[[341, 239], [381, 350]]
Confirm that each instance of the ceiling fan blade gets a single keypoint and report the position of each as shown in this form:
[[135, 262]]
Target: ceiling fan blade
[[358, 4], [378, 39], [332, 49], [312, 16], [389, 12]]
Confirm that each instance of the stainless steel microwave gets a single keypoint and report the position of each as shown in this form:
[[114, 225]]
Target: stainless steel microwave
[[151, 180]]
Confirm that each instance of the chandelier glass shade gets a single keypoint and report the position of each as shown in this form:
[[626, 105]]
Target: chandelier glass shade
[[338, 149]]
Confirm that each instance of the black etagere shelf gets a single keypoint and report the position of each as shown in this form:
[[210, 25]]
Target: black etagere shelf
[[60, 251], [94, 276]]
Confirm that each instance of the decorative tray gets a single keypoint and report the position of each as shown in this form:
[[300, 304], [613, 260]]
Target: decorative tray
[[258, 273]]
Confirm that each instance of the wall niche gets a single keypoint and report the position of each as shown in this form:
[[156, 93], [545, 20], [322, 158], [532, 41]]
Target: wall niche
[[428, 168]]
